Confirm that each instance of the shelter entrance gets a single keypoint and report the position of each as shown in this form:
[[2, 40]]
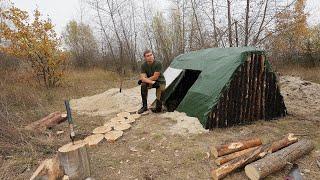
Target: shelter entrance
[[188, 79]]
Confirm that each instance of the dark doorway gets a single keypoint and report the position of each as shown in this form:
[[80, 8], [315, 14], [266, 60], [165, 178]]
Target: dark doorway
[[188, 79]]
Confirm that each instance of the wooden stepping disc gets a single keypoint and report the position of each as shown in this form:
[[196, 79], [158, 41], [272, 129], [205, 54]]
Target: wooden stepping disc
[[71, 147], [122, 127], [136, 116], [101, 130], [123, 114], [113, 135], [127, 120], [117, 119], [94, 139], [110, 124]]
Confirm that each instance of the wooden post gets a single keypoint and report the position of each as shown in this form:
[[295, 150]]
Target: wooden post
[[278, 160], [74, 160]]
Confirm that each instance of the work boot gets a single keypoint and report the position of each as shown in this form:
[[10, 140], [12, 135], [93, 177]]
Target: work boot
[[143, 109], [144, 96], [158, 107]]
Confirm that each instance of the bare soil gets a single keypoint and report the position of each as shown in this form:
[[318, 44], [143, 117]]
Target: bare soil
[[165, 147]]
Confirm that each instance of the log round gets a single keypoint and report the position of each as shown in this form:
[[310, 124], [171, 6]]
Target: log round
[[278, 160], [122, 127], [123, 114], [136, 116], [74, 160], [94, 139], [128, 120], [117, 119], [113, 135], [101, 130]]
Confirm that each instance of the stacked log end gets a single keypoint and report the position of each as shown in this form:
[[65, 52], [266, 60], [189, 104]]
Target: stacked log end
[[253, 94]]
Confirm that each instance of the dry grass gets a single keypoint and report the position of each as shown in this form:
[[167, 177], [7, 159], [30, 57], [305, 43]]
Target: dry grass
[[307, 73], [175, 157], [23, 101]]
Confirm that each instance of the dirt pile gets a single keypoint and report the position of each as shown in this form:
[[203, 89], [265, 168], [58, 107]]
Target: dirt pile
[[301, 97]]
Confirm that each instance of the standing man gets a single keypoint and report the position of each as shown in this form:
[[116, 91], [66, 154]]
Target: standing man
[[151, 77]]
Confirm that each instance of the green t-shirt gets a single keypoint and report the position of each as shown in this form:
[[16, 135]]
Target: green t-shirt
[[156, 66]]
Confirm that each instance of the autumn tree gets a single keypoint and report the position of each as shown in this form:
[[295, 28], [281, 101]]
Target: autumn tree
[[81, 42], [34, 42]]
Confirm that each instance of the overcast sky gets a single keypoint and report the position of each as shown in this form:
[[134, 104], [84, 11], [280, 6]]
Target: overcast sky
[[62, 11]]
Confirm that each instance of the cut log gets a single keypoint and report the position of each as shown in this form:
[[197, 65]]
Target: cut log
[[113, 135], [48, 122], [289, 139], [224, 159], [122, 127], [250, 156], [74, 160], [49, 169], [221, 150], [123, 114], [278, 160], [101, 130], [94, 139]]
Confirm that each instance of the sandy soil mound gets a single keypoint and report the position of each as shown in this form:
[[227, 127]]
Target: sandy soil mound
[[108, 102], [184, 124], [301, 97]]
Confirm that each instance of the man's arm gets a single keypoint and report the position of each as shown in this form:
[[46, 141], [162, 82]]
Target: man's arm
[[143, 78], [155, 76]]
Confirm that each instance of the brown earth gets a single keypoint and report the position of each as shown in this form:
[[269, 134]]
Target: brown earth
[[149, 150]]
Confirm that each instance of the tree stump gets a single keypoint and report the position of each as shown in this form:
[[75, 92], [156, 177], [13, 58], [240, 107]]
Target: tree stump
[[278, 160], [74, 160]]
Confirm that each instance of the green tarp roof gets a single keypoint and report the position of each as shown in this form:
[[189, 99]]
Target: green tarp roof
[[217, 66]]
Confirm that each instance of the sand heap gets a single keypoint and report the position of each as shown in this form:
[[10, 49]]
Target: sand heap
[[108, 102], [184, 124], [301, 97]]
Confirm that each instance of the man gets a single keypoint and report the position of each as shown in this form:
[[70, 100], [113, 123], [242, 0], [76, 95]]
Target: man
[[151, 77]]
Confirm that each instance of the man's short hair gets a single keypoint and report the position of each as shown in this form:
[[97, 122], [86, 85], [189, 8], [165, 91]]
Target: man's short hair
[[146, 52]]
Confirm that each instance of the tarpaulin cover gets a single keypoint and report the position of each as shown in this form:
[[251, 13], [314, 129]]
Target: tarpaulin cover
[[217, 66]]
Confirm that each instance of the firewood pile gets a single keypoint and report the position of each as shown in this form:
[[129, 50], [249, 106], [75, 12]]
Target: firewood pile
[[252, 94], [259, 160]]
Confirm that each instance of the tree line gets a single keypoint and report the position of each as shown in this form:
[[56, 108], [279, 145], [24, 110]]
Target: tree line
[[119, 31]]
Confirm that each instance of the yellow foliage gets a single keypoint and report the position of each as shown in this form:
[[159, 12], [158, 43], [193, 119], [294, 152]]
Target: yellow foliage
[[35, 42]]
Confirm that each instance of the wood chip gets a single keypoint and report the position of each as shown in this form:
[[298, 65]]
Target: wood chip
[[71, 147], [123, 114], [94, 139], [101, 130], [132, 110], [122, 127], [113, 135]]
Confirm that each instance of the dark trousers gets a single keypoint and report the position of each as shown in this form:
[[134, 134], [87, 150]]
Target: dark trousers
[[144, 92]]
